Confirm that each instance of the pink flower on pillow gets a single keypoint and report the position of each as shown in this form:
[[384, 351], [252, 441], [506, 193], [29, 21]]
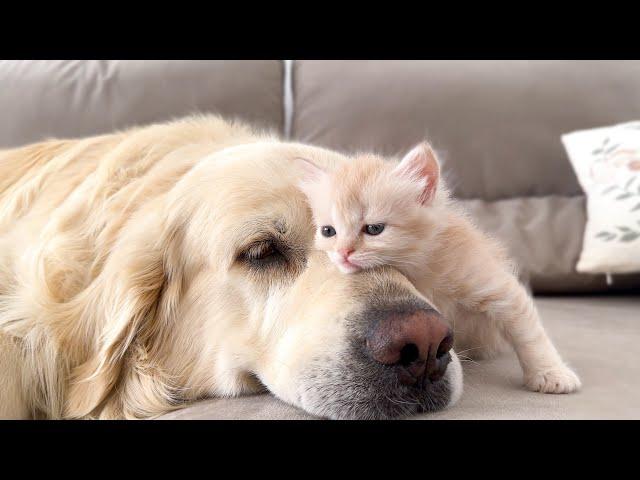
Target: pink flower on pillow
[[614, 167], [626, 158]]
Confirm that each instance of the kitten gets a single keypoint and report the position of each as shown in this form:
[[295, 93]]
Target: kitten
[[371, 212]]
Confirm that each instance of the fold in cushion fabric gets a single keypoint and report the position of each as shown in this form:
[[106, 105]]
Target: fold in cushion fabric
[[544, 236], [50, 98]]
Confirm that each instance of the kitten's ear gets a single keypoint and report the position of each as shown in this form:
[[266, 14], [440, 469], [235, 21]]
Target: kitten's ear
[[421, 164], [311, 172], [312, 175]]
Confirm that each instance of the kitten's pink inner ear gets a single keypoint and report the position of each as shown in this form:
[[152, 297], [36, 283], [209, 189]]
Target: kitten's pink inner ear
[[421, 163], [311, 172]]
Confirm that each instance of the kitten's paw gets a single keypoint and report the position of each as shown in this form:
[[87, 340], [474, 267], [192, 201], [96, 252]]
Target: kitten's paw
[[560, 379]]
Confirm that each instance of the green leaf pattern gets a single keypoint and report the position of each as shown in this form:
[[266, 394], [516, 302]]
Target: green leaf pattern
[[631, 190], [626, 235], [629, 193]]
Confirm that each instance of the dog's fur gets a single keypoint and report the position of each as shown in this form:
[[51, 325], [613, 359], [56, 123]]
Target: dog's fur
[[134, 279]]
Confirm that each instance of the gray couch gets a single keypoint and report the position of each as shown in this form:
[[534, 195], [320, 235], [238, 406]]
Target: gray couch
[[497, 124]]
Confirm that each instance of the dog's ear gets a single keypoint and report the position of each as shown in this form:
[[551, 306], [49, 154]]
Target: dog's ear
[[421, 165], [130, 303]]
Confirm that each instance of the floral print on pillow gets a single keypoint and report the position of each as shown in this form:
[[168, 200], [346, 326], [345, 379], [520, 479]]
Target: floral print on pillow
[[607, 163]]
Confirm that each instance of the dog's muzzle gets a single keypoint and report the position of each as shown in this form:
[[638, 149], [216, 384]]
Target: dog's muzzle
[[398, 361]]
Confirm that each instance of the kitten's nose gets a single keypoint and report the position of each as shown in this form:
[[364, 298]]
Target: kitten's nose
[[345, 252]]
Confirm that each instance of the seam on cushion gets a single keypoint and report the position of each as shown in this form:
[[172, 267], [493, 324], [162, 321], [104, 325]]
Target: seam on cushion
[[287, 97]]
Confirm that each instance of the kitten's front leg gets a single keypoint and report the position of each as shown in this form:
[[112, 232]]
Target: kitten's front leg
[[508, 308]]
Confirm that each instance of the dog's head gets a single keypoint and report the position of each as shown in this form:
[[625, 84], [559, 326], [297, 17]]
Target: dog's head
[[215, 289]]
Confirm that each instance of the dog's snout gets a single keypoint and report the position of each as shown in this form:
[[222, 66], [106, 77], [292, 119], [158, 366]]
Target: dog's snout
[[416, 344]]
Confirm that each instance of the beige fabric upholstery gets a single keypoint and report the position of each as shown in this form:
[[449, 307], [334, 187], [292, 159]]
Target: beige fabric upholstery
[[498, 123], [597, 335], [497, 126], [40, 99]]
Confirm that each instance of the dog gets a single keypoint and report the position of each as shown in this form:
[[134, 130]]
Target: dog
[[149, 268]]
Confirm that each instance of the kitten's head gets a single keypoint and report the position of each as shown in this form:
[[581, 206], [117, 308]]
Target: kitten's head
[[372, 212]]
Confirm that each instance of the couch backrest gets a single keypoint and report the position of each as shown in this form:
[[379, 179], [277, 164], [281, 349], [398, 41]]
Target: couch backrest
[[40, 99], [497, 125]]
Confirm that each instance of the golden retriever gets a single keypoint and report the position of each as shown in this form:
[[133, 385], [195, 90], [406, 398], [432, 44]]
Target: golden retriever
[[143, 270]]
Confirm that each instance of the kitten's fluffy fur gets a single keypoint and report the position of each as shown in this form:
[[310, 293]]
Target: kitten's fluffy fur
[[464, 273]]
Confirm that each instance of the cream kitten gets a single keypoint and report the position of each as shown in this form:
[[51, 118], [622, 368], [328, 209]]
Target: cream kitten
[[373, 212]]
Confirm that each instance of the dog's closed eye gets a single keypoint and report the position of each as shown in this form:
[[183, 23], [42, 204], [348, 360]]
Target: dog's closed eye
[[263, 253], [261, 250]]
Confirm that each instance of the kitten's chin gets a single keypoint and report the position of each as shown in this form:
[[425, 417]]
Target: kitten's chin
[[348, 268]]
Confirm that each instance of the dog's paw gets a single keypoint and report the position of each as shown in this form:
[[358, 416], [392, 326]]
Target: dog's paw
[[560, 379]]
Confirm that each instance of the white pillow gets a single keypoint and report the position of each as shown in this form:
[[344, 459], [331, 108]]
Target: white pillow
[[607, 163]]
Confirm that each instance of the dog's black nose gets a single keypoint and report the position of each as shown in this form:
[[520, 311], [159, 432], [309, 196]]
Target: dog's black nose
[[416, 344]]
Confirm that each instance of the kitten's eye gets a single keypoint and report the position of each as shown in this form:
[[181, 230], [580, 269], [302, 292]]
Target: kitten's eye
[[375, 229], [328, 231]]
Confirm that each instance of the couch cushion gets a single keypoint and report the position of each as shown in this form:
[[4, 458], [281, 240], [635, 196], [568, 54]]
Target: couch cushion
[[498, 127], [40, 99], [598, 336], [544, 236], [497, 123]]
